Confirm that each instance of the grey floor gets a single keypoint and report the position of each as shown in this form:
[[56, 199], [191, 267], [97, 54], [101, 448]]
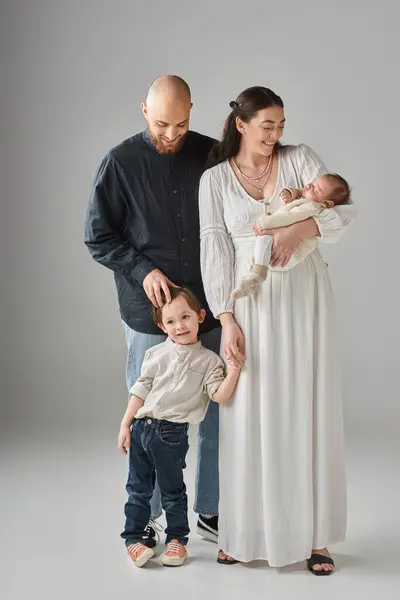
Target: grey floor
[[62, 513]]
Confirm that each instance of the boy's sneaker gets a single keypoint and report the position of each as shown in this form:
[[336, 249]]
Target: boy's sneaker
[[207, 527], [175, 554], [152, 537], [139, 553]]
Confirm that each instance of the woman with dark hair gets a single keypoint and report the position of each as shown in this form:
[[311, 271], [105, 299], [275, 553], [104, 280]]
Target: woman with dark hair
[[282, 475]]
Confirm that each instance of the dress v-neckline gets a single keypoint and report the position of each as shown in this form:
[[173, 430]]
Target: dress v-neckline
[[244, 191]]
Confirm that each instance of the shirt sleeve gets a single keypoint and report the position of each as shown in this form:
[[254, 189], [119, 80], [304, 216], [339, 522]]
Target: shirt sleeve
[[214, 377], [294, 192], [216, 249], [296, 211], [143, 385], [331, 222], [105, 222]]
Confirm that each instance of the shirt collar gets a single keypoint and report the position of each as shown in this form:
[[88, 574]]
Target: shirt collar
[[182, 348], [146, 137]]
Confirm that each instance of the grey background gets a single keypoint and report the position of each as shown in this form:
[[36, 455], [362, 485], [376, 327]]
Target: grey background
[[73, 76]]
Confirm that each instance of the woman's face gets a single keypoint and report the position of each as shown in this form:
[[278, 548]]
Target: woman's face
[[262, 132]]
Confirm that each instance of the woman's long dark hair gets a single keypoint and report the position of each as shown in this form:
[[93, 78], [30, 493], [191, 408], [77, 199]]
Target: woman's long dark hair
[[246, 105]]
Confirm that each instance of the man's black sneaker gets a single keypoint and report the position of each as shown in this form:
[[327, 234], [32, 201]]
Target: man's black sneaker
[[207, 527], [151, 537]]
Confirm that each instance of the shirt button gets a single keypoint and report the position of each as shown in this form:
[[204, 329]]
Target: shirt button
[[148, 421], [186, 264], [175, 191], [179, 215], [183, 239]]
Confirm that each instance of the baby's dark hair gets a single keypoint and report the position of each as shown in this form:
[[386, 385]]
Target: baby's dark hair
[[341, 190], [175, 293]]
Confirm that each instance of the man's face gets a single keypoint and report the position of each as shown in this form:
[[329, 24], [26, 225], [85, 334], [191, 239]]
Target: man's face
[[168, 123]]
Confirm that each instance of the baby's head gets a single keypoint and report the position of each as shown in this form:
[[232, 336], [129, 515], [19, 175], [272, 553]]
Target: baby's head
[[180, 318], [330, 189]]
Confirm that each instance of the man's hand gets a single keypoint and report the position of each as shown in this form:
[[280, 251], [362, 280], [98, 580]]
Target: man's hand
[[153, 283]]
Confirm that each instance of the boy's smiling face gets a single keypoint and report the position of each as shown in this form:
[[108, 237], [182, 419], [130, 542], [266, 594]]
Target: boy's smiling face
[[180, 322]]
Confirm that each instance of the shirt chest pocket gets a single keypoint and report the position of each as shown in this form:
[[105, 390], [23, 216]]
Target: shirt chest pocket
[[195, 380]]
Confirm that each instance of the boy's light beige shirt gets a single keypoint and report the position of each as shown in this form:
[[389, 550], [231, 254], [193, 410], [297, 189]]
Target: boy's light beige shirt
[[177, 382]]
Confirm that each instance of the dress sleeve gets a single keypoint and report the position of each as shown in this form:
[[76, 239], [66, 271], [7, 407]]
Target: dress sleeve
[[143, 385], [216, 249], [331, 222]]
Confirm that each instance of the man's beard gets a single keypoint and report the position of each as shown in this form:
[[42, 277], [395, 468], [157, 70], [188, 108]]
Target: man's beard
[[162, 147]]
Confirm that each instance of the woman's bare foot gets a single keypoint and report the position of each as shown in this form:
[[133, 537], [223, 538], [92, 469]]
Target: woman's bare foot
[[322, 566]]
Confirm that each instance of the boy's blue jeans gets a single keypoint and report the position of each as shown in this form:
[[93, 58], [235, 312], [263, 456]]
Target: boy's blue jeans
[[158, 448], [207, 482]]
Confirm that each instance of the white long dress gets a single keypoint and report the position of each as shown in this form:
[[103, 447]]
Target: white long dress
[[282, 473]]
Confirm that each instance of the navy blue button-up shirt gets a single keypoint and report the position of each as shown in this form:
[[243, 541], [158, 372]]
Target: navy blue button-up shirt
[[143, 215]]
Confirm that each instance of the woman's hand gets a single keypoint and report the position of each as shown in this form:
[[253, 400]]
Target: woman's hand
[[286, 240], [233, 340]]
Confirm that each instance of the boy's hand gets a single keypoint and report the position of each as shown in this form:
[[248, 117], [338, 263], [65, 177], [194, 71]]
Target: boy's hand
[[124, 439], [286, 196]]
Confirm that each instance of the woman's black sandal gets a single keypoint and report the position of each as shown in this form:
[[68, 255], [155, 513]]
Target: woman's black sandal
[[319, 559], [225, 561]]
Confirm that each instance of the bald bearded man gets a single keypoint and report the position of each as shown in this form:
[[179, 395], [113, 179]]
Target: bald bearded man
[[143, 224]]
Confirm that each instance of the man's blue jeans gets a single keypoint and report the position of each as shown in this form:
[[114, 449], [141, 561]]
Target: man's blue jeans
[[207, 483]]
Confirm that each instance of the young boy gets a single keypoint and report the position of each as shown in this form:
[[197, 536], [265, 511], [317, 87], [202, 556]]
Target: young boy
[[324, 192], [177, 379]]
